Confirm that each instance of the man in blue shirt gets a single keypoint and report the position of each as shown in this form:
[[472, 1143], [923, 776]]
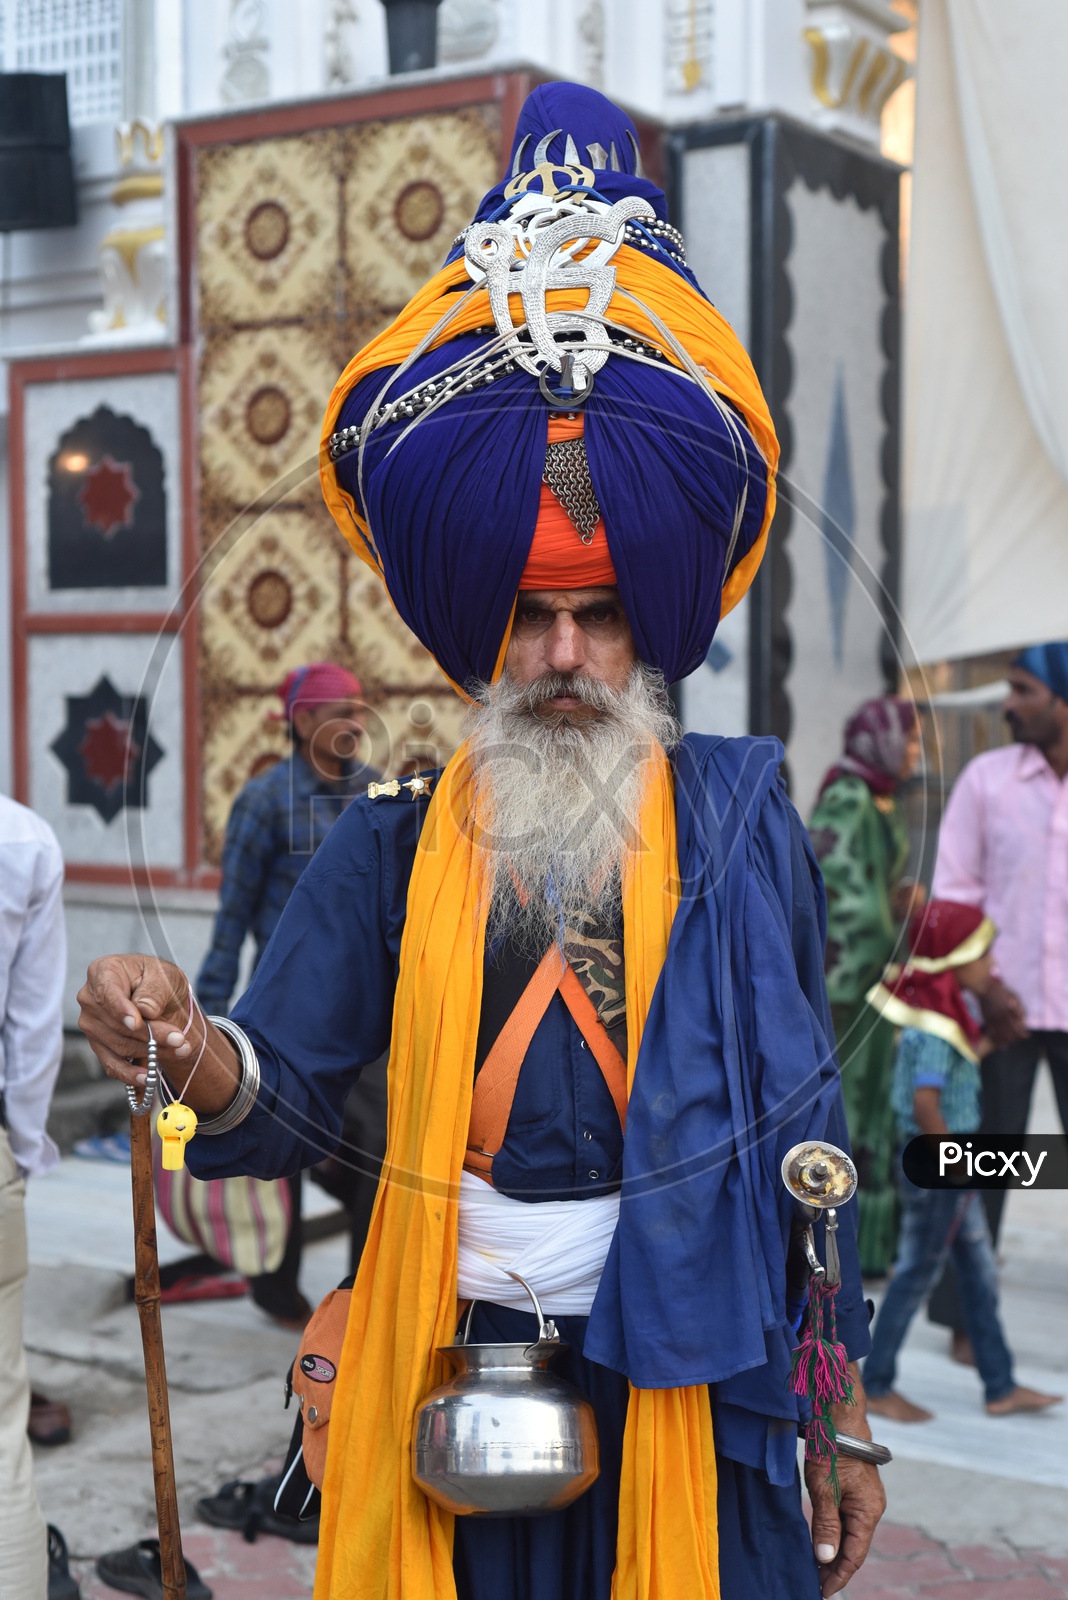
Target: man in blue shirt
[[281, 817], [278, 821]]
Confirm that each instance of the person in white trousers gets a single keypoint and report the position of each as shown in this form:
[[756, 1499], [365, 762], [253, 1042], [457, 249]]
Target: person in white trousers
[[32, 970]]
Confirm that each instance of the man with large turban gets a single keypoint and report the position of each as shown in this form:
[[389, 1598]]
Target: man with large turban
[[560, 463]]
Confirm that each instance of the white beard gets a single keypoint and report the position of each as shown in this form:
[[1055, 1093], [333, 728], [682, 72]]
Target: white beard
[[558, 801]]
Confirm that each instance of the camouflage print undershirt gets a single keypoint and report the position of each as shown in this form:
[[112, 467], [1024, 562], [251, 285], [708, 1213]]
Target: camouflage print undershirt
[[596, 955]]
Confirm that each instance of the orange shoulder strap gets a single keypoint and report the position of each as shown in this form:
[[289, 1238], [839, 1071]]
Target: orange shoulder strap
[[584, 1013], [495, 1086]]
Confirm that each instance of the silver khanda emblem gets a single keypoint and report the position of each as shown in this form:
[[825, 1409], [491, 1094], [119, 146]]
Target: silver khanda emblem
[[544, 245]]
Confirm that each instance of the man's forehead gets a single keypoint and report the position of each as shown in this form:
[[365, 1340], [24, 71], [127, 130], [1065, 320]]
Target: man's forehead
[[568, 599], [345, 706], [1020, 678]]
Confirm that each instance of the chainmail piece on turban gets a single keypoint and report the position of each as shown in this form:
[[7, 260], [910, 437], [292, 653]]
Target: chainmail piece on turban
[[567, 472]]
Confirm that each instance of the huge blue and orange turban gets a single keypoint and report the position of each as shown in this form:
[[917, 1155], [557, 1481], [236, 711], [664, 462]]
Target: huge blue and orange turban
[[565, 318]]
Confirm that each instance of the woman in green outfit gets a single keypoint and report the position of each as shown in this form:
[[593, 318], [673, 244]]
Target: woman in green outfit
[[861, 840]]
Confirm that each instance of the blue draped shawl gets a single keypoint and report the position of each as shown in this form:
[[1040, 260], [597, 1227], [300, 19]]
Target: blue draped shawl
[[737, 1064]]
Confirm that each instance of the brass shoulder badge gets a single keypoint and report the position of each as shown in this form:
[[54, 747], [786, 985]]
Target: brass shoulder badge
[[392, 787]]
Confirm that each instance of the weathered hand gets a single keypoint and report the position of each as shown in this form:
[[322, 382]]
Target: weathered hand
[[121, 996], [1003, 1015], [842, 1534]]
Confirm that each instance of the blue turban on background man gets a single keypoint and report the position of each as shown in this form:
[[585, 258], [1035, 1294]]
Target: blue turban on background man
[[1048, 663]]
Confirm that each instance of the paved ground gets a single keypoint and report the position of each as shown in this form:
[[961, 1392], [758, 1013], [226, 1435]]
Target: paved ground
[[977, 1506], [270, 1569], [906, 1564]]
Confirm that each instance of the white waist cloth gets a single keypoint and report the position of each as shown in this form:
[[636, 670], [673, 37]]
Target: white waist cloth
[[559, 1246]]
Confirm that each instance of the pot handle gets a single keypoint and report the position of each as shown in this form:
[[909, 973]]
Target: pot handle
[[547, 1327]]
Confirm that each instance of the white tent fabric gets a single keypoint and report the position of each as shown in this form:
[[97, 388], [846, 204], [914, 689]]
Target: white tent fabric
[[986, 359]]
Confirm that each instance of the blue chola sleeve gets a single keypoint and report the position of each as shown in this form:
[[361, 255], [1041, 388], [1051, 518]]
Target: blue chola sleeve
[[320, 1004]]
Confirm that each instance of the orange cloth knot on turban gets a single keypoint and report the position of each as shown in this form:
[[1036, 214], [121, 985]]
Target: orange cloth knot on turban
[[558, 557]]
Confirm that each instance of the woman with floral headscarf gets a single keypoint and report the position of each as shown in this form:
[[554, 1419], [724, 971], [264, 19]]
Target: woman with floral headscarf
[[860, 837]]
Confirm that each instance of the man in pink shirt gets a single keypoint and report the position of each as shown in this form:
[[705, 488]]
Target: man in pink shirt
[[1003, 846]]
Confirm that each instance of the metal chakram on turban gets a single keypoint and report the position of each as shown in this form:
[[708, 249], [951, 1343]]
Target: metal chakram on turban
[[560, 402]]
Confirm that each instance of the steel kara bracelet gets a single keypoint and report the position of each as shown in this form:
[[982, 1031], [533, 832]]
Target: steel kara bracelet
[[248, 1086], [861, 1449]]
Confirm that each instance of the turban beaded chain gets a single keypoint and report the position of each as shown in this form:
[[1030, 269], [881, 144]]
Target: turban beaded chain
[[448, 385], [661, 237]]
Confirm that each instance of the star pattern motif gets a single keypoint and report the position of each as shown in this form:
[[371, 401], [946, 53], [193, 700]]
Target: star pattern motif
[[108, 495], [107, 750]]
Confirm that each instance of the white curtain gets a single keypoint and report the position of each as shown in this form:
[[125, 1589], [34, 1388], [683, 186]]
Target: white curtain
[[986, 358]]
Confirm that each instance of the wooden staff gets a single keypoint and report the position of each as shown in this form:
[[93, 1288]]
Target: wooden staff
[[146, 1297]]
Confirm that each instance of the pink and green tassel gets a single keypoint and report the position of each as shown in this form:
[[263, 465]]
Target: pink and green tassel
[[820, 1373]]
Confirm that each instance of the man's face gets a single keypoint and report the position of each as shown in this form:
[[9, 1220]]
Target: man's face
[[332, 730], [1032, 710], [565, 632]]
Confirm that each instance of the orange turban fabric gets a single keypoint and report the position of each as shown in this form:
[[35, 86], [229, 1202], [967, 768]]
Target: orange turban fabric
[[558, 557]]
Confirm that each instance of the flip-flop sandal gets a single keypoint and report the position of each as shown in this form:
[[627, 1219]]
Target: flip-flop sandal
[[204, 1286], [49, 1421], [61, 1585], [137, 1571], [229, 1508], [248, 1508]]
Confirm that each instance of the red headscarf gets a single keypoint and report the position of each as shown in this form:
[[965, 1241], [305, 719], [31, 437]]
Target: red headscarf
[[876, 736], [925, 993], [316, 685]]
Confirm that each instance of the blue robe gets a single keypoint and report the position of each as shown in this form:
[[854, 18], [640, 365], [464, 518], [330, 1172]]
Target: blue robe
[[736, 1065]]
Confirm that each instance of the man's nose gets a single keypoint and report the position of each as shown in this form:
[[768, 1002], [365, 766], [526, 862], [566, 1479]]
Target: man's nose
[[565, 649]]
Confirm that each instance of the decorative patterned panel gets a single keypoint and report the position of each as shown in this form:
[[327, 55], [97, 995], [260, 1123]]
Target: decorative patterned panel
[[262, 396], [285, 589], [106, 766], [268, 221], [307, 245], [412, 185], [273, 599]]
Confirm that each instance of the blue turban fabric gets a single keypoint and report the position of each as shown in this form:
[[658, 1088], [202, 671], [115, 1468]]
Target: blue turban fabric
[[1049, 663], [590, 121], [469, 479], [451, 502]]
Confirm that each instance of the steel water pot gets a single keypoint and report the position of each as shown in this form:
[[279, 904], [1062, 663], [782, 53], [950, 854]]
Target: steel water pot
[[505, 1437]]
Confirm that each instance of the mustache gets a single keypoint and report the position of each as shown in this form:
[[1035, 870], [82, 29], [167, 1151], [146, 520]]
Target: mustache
[[598, 696]]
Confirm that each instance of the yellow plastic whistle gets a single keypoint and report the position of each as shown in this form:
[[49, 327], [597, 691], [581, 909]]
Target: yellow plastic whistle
[[176, 1125]]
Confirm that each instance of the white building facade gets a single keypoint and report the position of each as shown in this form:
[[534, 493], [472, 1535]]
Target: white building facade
[[775, 98]]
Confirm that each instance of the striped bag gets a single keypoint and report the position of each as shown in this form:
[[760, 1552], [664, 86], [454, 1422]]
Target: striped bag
[[242, 1223]]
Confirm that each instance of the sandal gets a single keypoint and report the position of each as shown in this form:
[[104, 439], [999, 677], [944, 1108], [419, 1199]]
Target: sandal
[[204, 1286], [61, 1585], [137, 1571], [49, 1421], [249, 1508]]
